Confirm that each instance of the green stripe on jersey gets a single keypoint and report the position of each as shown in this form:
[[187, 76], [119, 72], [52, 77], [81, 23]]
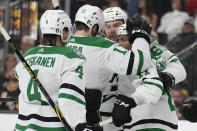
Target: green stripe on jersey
[[16, 75], [71, 97], [141, 61], [155, 84], [174, 60], [151, 129], [91, 41], [68, 52], [172, 108], [39, 128]]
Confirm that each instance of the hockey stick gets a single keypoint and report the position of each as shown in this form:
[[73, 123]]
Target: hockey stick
[[56, 4], [105, 122], [50, 101]]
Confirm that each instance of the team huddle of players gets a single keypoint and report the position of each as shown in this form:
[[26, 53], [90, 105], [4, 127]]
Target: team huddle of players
[[109, 67]]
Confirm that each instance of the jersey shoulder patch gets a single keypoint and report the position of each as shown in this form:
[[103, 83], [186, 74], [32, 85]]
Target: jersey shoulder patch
[[68, 52], [91, 41], [155, 44]]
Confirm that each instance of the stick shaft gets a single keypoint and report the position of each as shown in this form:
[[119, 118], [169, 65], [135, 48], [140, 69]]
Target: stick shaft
[[50, 101], [105, 122], [56, 4]]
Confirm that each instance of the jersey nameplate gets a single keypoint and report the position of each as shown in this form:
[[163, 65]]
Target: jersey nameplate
[[41, 61]]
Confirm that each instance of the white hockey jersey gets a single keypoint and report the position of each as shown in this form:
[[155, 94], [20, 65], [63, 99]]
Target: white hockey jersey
[[104, 57], [54, 66], [160, 115], [166, 61]]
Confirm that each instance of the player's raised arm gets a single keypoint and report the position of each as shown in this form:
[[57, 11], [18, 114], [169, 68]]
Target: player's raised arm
[[171, 70], [138, 59]]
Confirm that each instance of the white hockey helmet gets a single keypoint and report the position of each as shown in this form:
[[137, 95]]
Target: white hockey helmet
[[122, 30], [90, 16], [54, 21], [115, 13]]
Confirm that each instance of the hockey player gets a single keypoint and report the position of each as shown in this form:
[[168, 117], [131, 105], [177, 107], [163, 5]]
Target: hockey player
[[114, 17], [60, 70], [105, 57], [161, 114]]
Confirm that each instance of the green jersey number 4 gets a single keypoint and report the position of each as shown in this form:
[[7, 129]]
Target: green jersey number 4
[[80, 71], [32, 91]]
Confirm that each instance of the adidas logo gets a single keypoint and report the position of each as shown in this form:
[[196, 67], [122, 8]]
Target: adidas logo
[[41, 50], [72, 40]]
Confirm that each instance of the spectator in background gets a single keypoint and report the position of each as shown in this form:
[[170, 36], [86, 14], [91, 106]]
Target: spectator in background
[[180, 42], [161, 7], [118, 3], [9, 85], [179, 95], [10, 61], [146, 12], [172, 22], [10, 90], [191, 7], [27, 43], [185, 38], [132, 7]]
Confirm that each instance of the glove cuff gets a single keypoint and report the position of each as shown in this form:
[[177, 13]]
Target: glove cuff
[[168, 80], [172, 78], [139, 35], [128, 100], [132, 103]]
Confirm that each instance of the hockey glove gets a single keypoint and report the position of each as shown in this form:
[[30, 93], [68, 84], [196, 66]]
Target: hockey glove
[[121, 110], [137, 27], [168, 80], [93, 103], [189, 110], [87, 127]]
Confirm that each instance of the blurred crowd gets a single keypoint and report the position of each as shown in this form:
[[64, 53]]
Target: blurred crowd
[[9, 86], [174, 25]]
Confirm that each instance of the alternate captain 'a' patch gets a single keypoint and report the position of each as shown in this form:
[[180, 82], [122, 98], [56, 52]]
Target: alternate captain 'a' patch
[[78, 53]]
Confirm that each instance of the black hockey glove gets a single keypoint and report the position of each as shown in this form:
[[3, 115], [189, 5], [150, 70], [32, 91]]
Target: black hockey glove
[[168, 80], [93, 102], [138, 27], [86, 127], [189, 110], [121, 110]]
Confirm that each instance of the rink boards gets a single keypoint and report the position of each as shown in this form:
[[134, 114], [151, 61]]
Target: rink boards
[[8, 122]]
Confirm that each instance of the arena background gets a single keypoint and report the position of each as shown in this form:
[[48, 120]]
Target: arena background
[[21, 19]]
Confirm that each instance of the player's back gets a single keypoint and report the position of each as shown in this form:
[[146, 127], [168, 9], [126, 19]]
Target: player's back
[[97, 53], [49, 64]]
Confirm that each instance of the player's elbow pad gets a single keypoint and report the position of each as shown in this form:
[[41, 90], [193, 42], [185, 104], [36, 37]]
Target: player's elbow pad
[[183, 74], [178, 71], [148, 92]]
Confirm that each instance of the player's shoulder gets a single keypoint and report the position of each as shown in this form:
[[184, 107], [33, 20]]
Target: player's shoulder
[[91, 41], [52, 50], [155, 45]]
